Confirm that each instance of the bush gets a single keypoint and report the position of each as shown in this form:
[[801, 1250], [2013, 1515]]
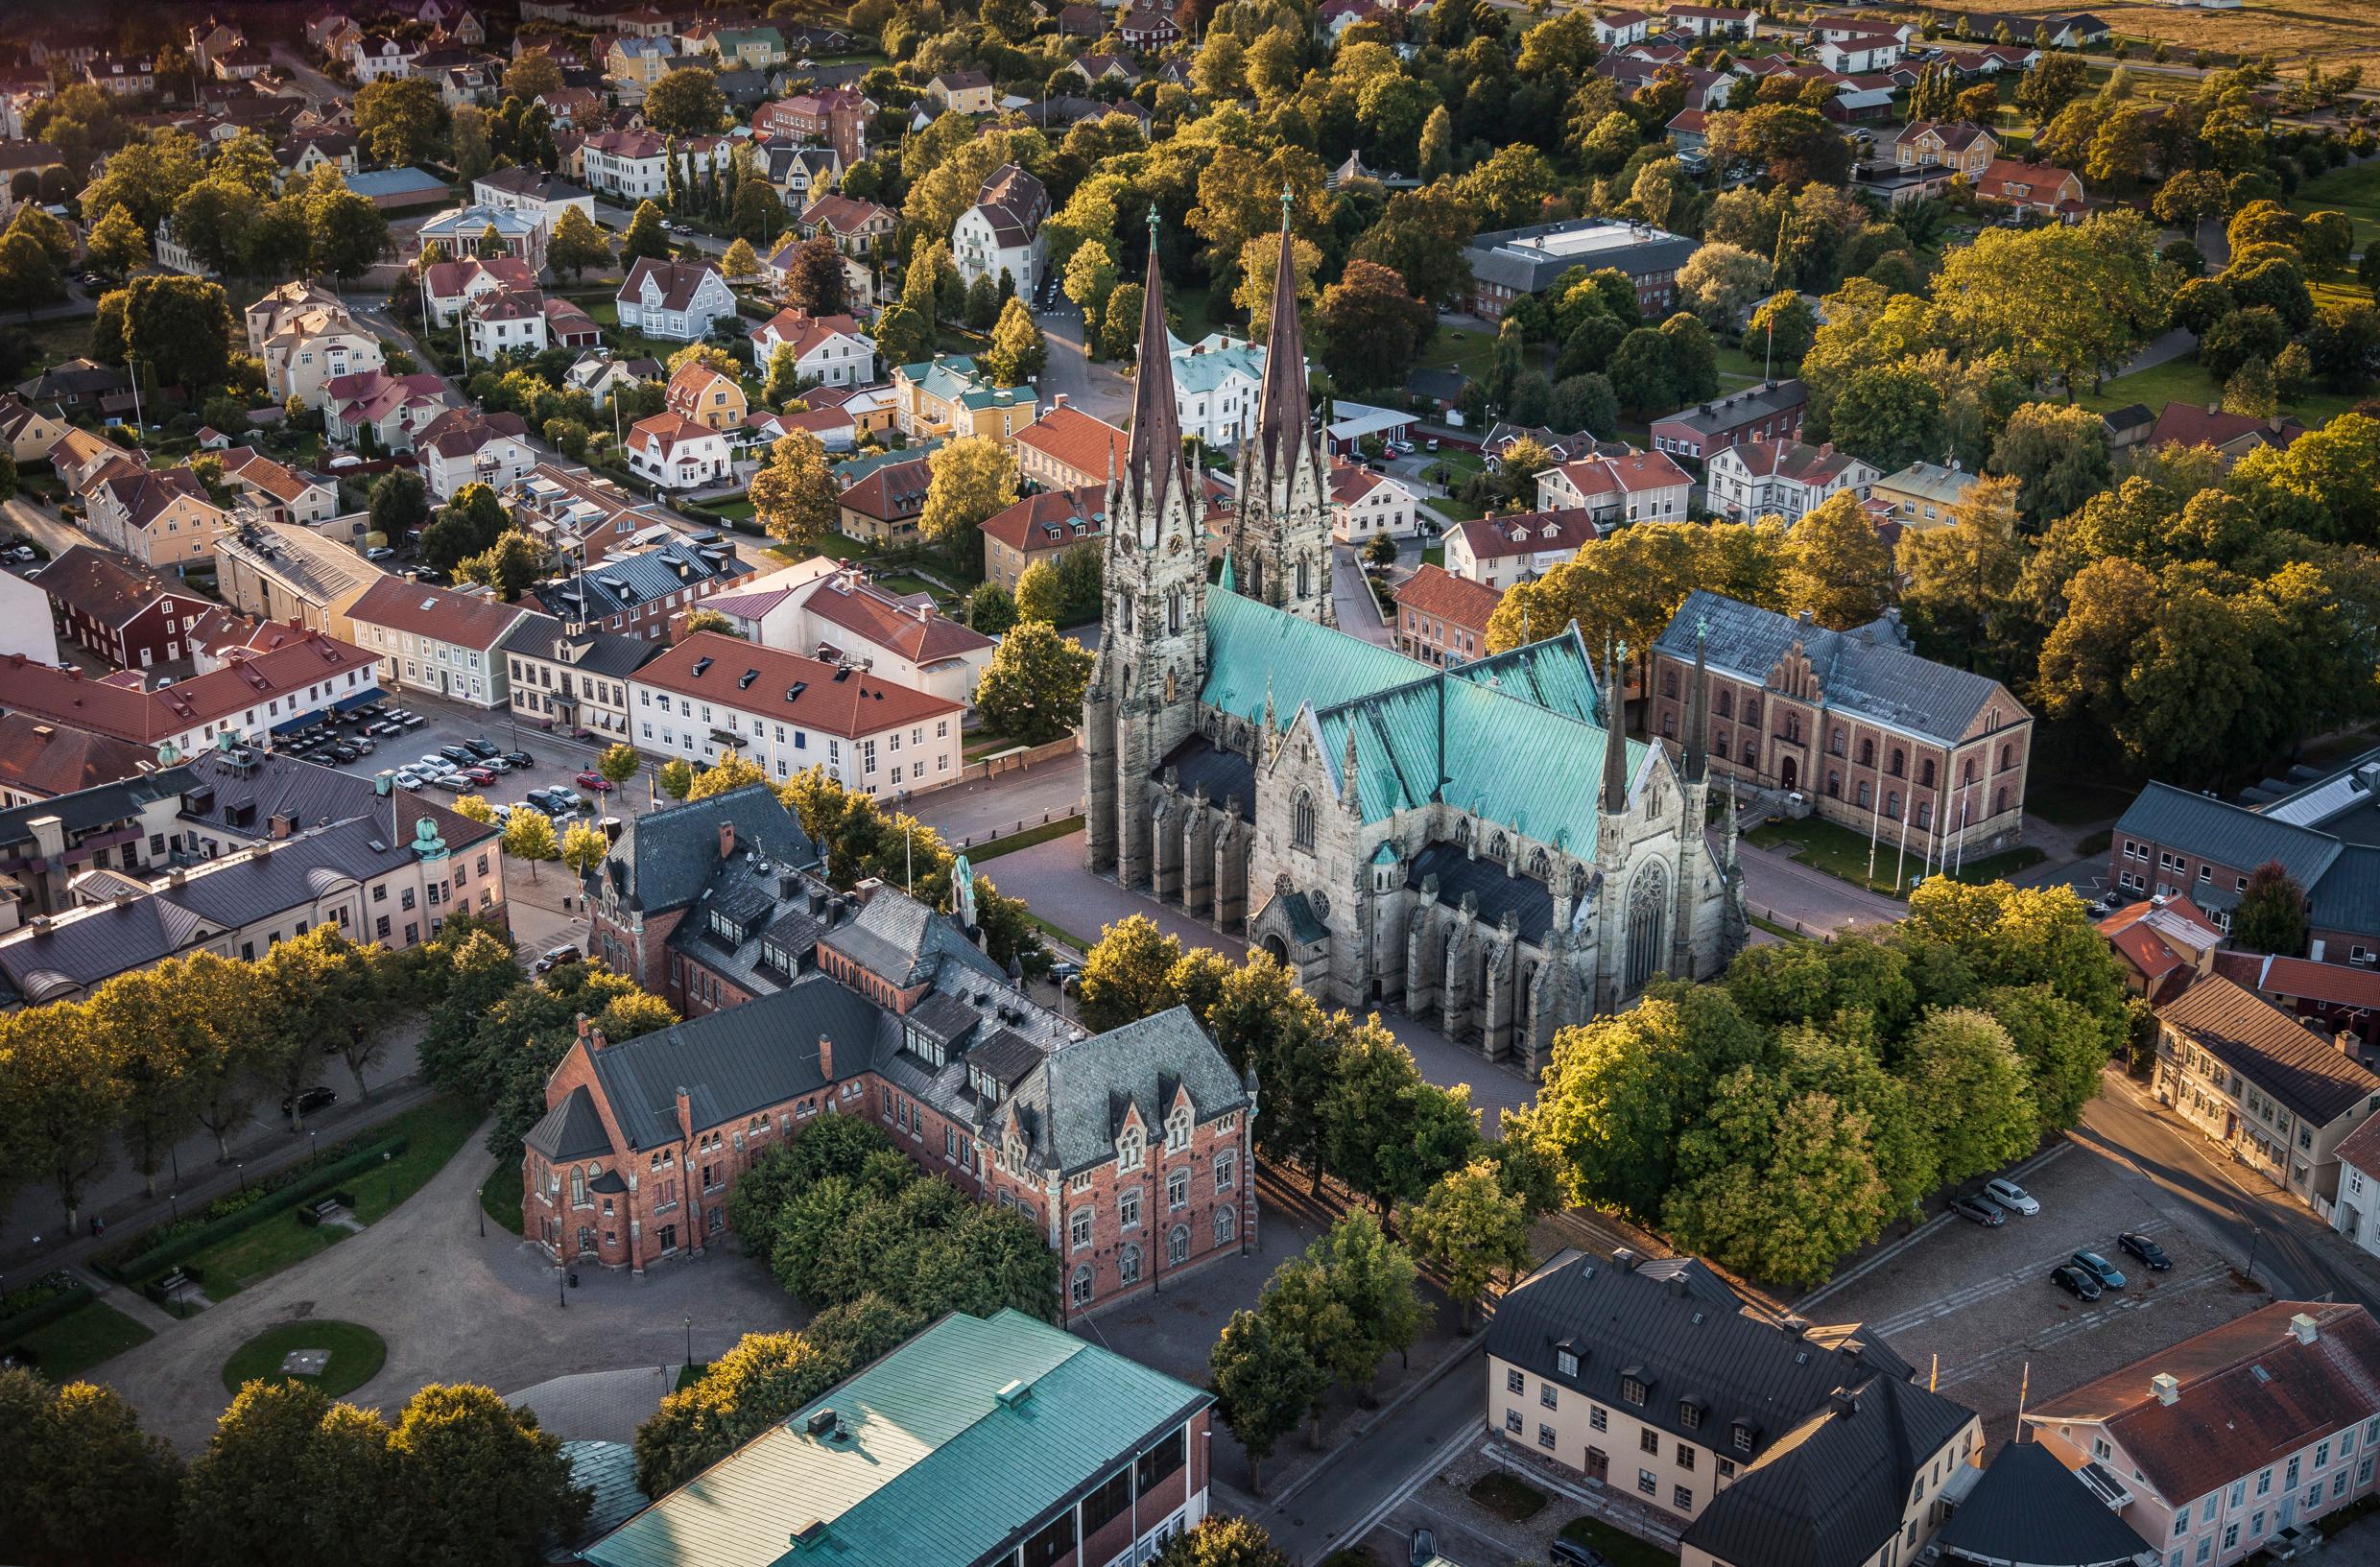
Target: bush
[[156, 1249], [40, 1303]]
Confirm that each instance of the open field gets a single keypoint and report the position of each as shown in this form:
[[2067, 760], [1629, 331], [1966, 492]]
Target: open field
[[2289, 30], [2186, 381], [2355, 190]]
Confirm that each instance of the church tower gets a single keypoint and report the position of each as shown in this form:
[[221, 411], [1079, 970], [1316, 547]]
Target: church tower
[[1280, 528], [1693, 845], [1144, 690]]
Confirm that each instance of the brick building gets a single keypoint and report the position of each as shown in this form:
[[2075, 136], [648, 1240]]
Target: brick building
[[1130, 1151], [1511, 263], [1772, 411], [1917, 754]]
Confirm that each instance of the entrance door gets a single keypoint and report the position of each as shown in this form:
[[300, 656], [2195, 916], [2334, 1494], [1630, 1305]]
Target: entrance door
[[1788, 770], [1598, 1465]]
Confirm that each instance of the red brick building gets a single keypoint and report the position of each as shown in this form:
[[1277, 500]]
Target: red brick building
[[1132, 1152]]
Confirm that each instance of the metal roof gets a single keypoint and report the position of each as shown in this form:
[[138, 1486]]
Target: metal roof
[[2213, 829], [571, 1129], [943, 1453], [664, 859], [1255, 653], [2030, 1508]]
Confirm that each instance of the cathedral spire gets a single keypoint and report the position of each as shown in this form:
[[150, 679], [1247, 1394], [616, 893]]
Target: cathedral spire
[[1615, 733], [1698, 708], [1282, 413], [1155, 461]]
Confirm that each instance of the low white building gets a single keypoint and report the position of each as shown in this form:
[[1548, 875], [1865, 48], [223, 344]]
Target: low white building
[[1215, 385], [1782, 478], [830, 350], [533, 194], [677, 453], [674, 299], [436, 640], [1364, 502]]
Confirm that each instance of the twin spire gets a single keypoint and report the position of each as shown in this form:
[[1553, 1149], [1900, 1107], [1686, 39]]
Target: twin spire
[[1281, 411], [1154, 462]]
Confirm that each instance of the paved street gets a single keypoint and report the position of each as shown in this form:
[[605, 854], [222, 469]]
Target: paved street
[[1098, 390], [995, 807], [1351, 599]]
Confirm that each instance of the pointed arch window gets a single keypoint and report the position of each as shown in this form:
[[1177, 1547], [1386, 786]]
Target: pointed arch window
[[1301, 822], [1173, 611], [1305, 577]]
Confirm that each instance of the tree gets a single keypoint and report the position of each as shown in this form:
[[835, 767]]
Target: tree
[[1371, 326], [1128, 974], [740, 262], [473, 1479], [2271, 916], [793, 494], [686, 101], [1973, 1091], [400, 121], [1641, 374], [618, 762], [645, 236], [1223, 1541], [474, 808], [116, 243], [1719, 281], [181, 328], [578, 245], [466, 526], [156, 1048], [29, 278], [1798, 146], [676, 777], [1264, 1382], [1119, 329], [1421, 235], [529, 835], [60, 1075], [1784, 326], [1837, 566], [758, 212], [508, 566], [1031, 690], [813, 281], [1892, 414], [990, 608], [1017, 354], [2058, 454], [282, 1479], [2252, 391], [99, 1488], [1776, 1182], [968, 479], [2073, 301], [532, 75], [1467, 1230], [1960, 578], [399, 504]]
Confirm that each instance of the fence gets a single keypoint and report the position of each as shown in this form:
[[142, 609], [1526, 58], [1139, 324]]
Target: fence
[[1014, 759]]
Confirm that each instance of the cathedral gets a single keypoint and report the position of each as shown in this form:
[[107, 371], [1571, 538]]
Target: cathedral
[[1480, 847]]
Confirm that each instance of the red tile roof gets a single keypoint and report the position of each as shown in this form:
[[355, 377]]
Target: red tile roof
[[1490, 538], [458, 432], [1442, 595], [464, 620], [128, 711], [2250, 1393], [629, 144], [2192, 424], [1054, 519], [662, 433], [851, 706], [1793, 459], [805, 331], [892, 491], [278, 480], [843, 214], [447, 279], [916, 632], [1073, 438], [1350, 483], [51, 759], [2303, 979]]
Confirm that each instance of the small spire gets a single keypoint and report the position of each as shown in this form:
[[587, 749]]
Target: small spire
[[1230, 582], [1697, 712], [1268, 717], [1615, 733], [1347, 795]]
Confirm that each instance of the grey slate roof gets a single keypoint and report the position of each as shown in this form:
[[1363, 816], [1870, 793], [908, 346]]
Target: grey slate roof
[[664, 859], [1743, 407], [88, 809], [600, 652], [772, 908], [1227, 775], [1836, 1488], [903, 942], [1529, 901], [2030, 1508], [1864, 672], [571, 1129], [2217, 830], [1686, 1336], [620, 582], [1077, 1089], [243, 789], [1495, 258]]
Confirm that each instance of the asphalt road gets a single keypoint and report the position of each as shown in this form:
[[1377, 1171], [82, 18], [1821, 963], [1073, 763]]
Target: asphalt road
[[1351, 599], [618, 217], [1340, 1500]]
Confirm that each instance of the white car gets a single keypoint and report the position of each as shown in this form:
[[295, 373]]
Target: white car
[[2011, 1197]]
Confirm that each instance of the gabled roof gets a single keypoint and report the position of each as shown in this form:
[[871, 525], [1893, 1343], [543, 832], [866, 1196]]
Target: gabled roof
[[2191, 424], [1081, 441], [679, 280], [2251, 1392], [1794, 460], [914, 631], [903, 942], [1050, 519], [663, 859], [47, 760], [788, 687], [108, 587], [2302, 1071], [631, 579], [1442, 595], [2216, 829], [888, 491], [666, 431], [1528, 532], [464, 620], [2030, 1508]]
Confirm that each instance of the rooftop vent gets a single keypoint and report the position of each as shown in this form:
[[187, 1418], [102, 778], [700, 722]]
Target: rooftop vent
[[821, 1422], [1014, 1393], [2166, 1388]]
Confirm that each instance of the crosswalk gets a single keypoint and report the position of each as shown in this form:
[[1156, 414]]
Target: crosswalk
[[2084, 1321]]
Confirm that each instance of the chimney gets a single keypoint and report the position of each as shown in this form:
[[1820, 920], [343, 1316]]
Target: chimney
[[124, 900], [583, 1028], [176, 877], [1060, 401], [1804, 616], [1845, 1403], [2302, 1328], [827, 1058], [2165, 1387], [726, 840], [283, 824], [1623, 1259], [595, 1040], [685, 1114]]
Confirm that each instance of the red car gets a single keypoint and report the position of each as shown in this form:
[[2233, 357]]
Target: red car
[[590, 778], [479, 775]]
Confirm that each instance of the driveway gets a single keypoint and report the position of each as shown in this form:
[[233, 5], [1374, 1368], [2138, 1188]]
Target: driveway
[[1351, 599], [1097, 389], [455, 1306]]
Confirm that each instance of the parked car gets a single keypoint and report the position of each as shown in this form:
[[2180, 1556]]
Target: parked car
[[460, 755], [520, 758], [482, 749], [2109, 1275], [1981, 1213], [20, 552], [2075, 1282], [320, 1097], [495, 764], [380, 552], [343, 753], [2010, 1195], [590, 778], [479, 775], [557, 958], [2151, 1254], [1571, 1554]]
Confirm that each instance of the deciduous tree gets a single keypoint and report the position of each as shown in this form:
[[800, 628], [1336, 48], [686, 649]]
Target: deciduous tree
[[1468, 1229], [577, 243], [1837, 566], [2271, 913], [474, 1479], [1128, 974], [1264, 1382], [400, 121], [529, 835], [686, 101], [794, 493], [968, 479]]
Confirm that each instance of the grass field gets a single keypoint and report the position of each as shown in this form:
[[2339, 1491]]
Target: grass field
[[1837, 850], [1459, 349], [2186, 381], [1031, 835], [356, 1355], [2355, 190], [81, 1338], [1619, 1549], [500, 1199]]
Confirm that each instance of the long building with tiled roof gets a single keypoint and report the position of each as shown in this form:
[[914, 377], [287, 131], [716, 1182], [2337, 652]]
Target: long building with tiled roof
[[249, 697]]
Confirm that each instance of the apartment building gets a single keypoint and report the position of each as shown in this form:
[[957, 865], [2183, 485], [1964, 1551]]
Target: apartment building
[[437, 641], [1441, 618], [948, 396], [1772, 411], [1618, 485], [305, 336], [569, 680], [1782, 478], [1517, 547], [291, 676], [462, 446], [640, 592], [828, 350], [161, 517], [834, 613], [1042, 527], [280, 571]]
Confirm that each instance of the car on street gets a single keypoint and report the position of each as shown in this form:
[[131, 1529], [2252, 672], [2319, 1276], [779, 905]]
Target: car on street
[[435, 764], [1981, 1213], [1571, 1554], [2075, 1282], [2151, 1254], [2011, 1197], [590, 778], [380, 552], [482, 749], [320, 1097], [20, 552], [455, 782], [520, 758], [2109, 1275], [556, 958]]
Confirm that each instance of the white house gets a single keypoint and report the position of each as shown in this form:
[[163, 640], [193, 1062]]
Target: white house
[[499, 320], [381, 59], [1498, 552], [1784, 478], [674, 299], [830, 350], [173, 256], [629, 164], [463, 231], [531, 193], [1364, 502], [676, 453], [1215, 385], [598, 375], [1618, 29], [1002, 231], [463, 446], [1860, 53], [823, 608], [435, 640], [447, 286], [1633, 486]]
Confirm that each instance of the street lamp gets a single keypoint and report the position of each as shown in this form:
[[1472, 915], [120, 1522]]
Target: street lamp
[[483, 1213], [241, 1166], [558, 1298], [689, 1341], [2255, 1239], [311, 1146], [388, 1186]]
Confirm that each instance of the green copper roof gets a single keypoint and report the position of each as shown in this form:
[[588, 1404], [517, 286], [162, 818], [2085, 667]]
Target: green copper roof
[[951, 1446], [1253, 648], [1555, 673]]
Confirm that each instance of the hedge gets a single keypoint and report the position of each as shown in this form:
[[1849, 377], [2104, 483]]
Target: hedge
[[127, 1266], [54, 1302]]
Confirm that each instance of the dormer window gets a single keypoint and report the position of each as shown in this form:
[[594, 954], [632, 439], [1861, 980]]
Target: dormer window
[[1566, 1363], [1632, 1388], [1129, 1148], [1177, 1129], [1743, 1438]]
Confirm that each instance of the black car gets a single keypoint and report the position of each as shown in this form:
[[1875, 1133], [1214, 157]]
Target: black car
[[345, 752], [520, 758], [2151, 1254], [1571, 1554], [460, 755], [482, 749], [2075, 1282], [1981, 1213], [317, 1098]]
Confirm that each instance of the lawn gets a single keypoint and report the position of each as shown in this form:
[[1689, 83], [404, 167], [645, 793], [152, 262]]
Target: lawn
[[356, 1355], [1995, 868], [1024, 839], [2186, 381], [1621, 1550], [1743, 363], [736, 511], [81, 1338], [1839, 851], [500, 1194], [1509, 1499], [1459, 349], [1435, 556], [433, 1132], [1060, 933]]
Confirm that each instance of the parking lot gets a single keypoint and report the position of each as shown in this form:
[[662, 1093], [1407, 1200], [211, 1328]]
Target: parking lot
[[1975, 1309], [554, 762]]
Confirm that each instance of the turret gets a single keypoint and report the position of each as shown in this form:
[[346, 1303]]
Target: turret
[[1615, 740]]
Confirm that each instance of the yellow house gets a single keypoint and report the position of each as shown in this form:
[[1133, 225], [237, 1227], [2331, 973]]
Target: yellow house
[[947, 395], [1924, 495], [636, 63], [697, 393]]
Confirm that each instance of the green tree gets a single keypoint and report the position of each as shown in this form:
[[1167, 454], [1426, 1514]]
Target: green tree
[[1264, 1381], [1778, 1183], [1973, 1091], [584, 848], [676, 777], [400, 121], [968, 479], [470, 523], [1018, 354], [740, 262], [645, 237], [1223, 1541], [1642, 373], [793, 494], [2063, 1047], [282, 1479], [156, 1048], [61, 1076], [758, 212], [529, 835], [618, 762], [784, 378], [1960, 580], [116, 243], [814, 280], [475, 1480], [1031, 690], [1468, 1229], [686, 101], [100, 1488], [507, 567], [1039, 596], [1784, 326], [1128, 974], [2058, 454], [2271, 913], [578, 245], [531, 75], [1890, 415], [1371, 327], [180, 328], [1837, 566], [990, 608]]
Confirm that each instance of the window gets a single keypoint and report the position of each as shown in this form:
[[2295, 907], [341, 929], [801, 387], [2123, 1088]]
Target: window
[[1226, 1170], [1685, 1456], [1632, 1389], [1513, 1381], [1227, 1224], [1178, 1247], [1598, 1418], [1301, 822], [1649, 1440], [1128, 1149], [1178, 1189], [1648, 1482], [1545, 1436], [1690, 1416], [1128, 1264], [1081, 1289], [1548, 1396], [1683, 1498], [1566, 1363], [1078, 1227], [1128, 1208], [1512, 1422]]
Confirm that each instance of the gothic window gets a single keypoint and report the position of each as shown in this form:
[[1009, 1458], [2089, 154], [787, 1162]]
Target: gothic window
[[1966, 771], [1127, 1265], [1178, 1247], [1301, 822], [1462, 830], [1081, 1290], [1752, 710], [1305, 576], [1648, 924], [578, 1188], [1496, 850], [1999, 802], [1255, 578], [1227, 1224], [1177, 1129], [1867, 752], [1835, 744], [1925, 772], [1173, 611], [1793, 727], [1124, 609], [1128, 1149], [1726, 702], [1541, 867], [2008, 757], [1668, 682]]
